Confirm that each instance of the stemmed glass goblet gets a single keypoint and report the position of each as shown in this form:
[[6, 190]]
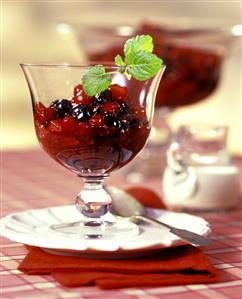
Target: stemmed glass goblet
[[91, 136]]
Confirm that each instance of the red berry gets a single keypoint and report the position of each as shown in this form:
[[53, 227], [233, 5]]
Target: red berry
[[44, 114], [96, 121], [69, 126], [81, 98], [119, 92], [78, 88], [140, 112], [39, 107], [55, 126], [110, 107], [83, 129]]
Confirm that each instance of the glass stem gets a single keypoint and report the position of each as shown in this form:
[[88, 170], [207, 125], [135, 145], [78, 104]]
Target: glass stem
[[93, 203]]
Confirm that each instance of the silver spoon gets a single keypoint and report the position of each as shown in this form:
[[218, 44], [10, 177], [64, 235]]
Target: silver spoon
[[125, 205]]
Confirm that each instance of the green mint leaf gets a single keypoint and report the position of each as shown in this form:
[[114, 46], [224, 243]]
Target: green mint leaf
[[138, 62], [137, 44], [95, 80], [119, 60], [143, 65]]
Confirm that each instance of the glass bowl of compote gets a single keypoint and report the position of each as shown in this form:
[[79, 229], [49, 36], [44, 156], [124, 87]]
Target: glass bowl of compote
[[92, 135]]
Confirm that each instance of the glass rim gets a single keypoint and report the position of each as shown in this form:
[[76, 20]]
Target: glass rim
[[75, 65], [191, 25], [67, 64]]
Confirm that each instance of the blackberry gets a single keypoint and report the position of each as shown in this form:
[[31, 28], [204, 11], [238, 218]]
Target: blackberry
[[129, 121], [133, 122], [124, 125], [97, 109], [81, 112], [62, 107], [104, 97], [123, 109], [111, 120]]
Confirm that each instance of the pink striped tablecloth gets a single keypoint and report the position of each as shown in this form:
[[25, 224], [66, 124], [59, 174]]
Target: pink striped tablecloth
[[30, 179]]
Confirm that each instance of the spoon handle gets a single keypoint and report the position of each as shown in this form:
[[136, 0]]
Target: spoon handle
[[184, 234]]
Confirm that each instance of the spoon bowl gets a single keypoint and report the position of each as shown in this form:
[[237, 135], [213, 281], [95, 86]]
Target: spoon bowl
[[125, 205]]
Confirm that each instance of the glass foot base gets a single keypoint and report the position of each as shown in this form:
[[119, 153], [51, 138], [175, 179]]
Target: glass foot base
[[96, 229]]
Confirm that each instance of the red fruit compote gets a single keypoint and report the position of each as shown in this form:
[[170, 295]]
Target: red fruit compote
[[92, 134]]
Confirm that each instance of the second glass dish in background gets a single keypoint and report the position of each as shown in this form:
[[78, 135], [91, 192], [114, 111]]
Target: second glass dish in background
[[194, 57]]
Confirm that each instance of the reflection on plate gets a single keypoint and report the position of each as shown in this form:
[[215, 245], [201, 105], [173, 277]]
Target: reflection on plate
[[31, 227]]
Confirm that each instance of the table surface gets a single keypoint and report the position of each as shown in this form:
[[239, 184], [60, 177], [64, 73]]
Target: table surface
[[30, 179]]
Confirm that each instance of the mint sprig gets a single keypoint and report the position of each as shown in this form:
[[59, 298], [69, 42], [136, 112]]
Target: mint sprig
[[95, 80], [137, 44], [139, 62], [143, 65]]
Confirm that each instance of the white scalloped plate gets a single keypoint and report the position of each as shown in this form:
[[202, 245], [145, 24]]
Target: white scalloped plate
[[31, 227]]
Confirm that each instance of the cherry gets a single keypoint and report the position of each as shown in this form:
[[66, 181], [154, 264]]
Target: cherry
[[139, 112], [81, 98], [78, 88], [112, 107], [55, 126], [83, 129], [44, 114], [69, 126], [96, 121], [119, 92]]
